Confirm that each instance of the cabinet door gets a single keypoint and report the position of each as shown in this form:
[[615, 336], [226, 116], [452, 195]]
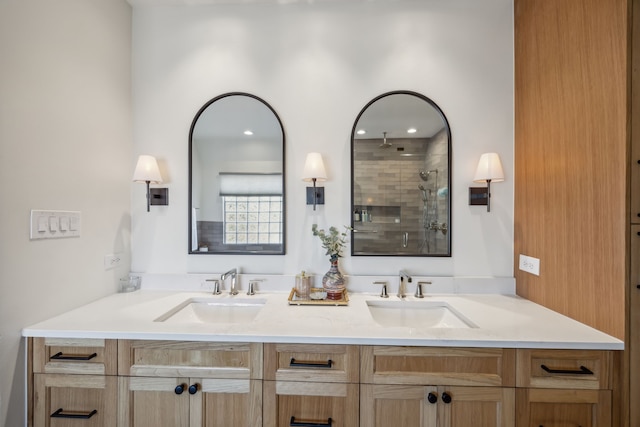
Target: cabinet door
[[555, 407], [226, 403], [476, 406], [153, 402], [288, 403], [634, 322], [398, 405], [74, 400]]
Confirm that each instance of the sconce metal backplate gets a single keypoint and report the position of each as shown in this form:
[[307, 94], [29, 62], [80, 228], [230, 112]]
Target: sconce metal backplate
[[319, 195], [159, 196], [478, 196]]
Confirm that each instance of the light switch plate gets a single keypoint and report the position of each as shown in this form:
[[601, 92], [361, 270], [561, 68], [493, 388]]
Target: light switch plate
[[49, 224], [529, 264]]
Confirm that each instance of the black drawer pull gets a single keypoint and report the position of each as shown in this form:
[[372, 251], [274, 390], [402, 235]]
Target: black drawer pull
[[432, 398], [323, 365], [295, 423], [179, 389], [193, 388], [85, 416], [446, 397], [581, 371], [61, 356]]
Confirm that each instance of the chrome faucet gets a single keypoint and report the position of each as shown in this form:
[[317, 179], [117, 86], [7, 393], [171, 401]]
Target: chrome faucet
[[402, 288], [233, 273]]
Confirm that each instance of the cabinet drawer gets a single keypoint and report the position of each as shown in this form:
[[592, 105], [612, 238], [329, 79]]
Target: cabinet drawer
[[75, 356], [288, 403], [312, 362], [581, 369], [75, 400], [190, 359], [437, 366]]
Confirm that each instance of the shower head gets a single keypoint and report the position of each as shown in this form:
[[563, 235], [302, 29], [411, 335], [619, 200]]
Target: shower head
[[385, 144], [424, 175], [425, 197]]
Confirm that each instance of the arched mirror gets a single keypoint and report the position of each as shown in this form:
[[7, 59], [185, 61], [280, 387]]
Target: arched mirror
[[236, 178], [401, 178]]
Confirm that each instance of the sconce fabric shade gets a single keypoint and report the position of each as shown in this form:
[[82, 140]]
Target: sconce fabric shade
[[147, 170], [489, 169], [314, 168]]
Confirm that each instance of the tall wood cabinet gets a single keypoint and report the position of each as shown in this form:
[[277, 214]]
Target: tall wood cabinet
[[577, 135]]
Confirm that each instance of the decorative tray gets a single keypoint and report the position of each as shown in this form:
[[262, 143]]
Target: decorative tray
[[294, 300]]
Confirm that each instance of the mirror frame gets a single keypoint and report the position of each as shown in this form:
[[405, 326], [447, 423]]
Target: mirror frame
[[190, 195], [450, 177]]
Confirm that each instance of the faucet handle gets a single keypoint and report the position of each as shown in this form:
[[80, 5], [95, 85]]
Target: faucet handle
[[252, 286], [383, 293], [216, 286], [419, 293]]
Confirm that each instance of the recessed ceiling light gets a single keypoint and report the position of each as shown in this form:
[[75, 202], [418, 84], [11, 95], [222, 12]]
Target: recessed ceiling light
[[361, 132], [248, 132], [412, 130]]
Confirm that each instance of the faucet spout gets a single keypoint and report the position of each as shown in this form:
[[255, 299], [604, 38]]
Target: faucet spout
[[233, 273], [402, 288]]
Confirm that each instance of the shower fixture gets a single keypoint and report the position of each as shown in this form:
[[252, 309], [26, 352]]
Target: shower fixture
[[385, 144], [424, 175]]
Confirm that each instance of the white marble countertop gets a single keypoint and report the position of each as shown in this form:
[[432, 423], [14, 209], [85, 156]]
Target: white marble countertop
[[502, 321]]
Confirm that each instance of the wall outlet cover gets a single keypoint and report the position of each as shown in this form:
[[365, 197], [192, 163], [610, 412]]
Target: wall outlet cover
[[529, 264]]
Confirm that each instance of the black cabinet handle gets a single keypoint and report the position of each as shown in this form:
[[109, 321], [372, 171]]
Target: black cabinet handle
[[323, 365], [581, 371], [179, 388], [432, 398], [78, 415], [61, 356], [295, 423], [193, 388], [446, 397]]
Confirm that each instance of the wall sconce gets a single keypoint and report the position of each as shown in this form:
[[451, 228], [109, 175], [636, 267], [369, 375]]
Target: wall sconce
[[147, 171], [489, 170], [314, 171]]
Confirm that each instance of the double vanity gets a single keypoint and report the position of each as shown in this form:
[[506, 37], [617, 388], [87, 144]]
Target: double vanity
[[187, 358]]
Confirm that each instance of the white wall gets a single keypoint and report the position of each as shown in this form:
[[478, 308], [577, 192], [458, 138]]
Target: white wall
[[318, 65], [65, 143]]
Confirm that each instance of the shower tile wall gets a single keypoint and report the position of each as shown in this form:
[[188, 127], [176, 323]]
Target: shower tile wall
[[387, 188]]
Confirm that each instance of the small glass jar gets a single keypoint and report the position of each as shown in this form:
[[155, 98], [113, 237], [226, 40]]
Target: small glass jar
[[303, 286]]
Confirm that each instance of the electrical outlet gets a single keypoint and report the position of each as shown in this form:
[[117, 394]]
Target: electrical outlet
[[530, 264], [112, 261]]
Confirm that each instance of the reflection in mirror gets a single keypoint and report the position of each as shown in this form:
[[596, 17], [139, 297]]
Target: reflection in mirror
[[400, 178], [236, 178]]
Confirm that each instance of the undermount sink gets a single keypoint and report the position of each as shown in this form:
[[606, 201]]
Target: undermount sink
[[417, 314], [213, 310]]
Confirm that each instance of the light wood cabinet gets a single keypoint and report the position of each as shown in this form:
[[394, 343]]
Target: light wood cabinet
[[191, 384], [427, 386], [308, 384], [564, 387], [73, 381], [63, 400], [425, 406], [563, 407]]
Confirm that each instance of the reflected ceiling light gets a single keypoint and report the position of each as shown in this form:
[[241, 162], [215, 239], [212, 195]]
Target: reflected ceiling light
[[412, 130], [489, 170], [248, 132], [361, 132], [314, 171]]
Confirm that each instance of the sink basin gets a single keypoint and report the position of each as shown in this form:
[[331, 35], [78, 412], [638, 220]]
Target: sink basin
[[212, 310], [417, 314]]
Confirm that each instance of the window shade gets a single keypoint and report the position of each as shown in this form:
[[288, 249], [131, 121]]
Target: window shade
[[250, 184]]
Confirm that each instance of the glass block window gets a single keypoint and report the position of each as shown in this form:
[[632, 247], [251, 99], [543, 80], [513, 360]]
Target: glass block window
[[252, 220]]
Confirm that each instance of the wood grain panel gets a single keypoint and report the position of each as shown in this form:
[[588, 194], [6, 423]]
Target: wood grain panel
[[571, 140], [437, 366]]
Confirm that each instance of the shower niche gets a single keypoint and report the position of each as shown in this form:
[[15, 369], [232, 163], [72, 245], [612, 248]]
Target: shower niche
[[400, 176]]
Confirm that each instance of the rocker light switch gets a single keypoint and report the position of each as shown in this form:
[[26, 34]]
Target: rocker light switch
[[54, 224]]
